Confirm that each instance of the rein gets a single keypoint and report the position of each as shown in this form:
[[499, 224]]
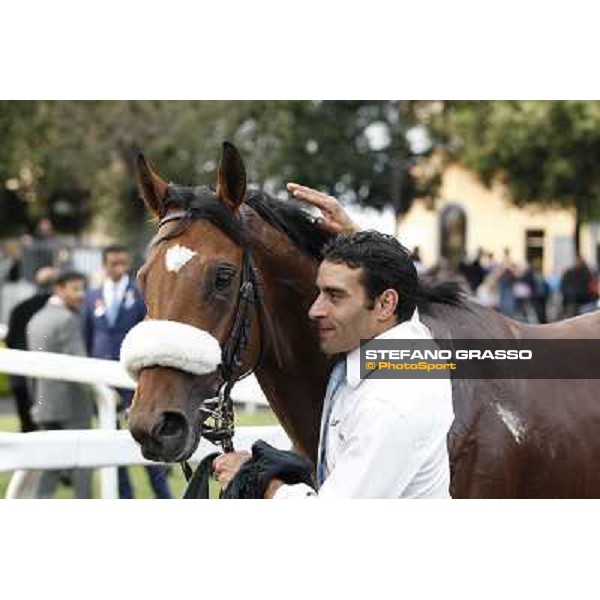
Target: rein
[[220, 409]]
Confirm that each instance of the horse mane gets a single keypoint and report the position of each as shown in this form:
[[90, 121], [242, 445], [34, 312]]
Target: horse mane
[[290, 218], [298, 225], [444, 292]]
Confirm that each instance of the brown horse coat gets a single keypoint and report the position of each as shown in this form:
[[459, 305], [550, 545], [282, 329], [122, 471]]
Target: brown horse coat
[[515, 438]]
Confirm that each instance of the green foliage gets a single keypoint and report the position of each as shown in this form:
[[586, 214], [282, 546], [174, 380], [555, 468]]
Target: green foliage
[[73, 160]]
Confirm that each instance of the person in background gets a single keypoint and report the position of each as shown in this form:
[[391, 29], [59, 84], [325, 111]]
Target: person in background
[[43, 250], [576, 289], [61, 404], [16, 339], [477, 271], [110, 312], [523, 289], [541, 292], [489, 263], [506, 283]]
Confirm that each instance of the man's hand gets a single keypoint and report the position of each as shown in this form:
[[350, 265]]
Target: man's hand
[[335, 219], [227, 465]]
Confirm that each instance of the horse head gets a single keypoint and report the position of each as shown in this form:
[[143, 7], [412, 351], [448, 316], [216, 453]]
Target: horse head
[[202, 325]]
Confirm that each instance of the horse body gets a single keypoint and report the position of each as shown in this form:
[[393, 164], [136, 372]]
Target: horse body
[[528, 438], [510, 438]]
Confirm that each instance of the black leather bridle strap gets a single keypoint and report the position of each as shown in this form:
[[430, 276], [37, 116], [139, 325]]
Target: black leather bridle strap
[[239, 336]]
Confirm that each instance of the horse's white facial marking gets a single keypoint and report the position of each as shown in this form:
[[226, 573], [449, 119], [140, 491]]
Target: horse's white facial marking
[[177, 256], [513, 423]]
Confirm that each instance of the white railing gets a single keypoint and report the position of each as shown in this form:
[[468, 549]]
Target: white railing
[[99, 374], [27, 453], [49, 365], [86, 449], [97, 371]]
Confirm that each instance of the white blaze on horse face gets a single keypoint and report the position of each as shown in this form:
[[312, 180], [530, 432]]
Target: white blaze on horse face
[[513, 423], [178, 256]]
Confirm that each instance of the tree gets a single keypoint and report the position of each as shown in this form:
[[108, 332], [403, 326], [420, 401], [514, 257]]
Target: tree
[[73, 160], [356, 150], [16, 120], [545, 152]]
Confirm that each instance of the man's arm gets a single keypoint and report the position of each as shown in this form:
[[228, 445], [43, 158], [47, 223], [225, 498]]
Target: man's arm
[[380, 458], [383, 452]]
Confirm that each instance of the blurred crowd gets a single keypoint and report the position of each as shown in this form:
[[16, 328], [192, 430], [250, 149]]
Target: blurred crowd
[[64, 314], [520, 291]]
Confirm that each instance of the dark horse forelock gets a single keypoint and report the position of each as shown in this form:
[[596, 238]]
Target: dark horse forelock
[[200, 202], [288, 217]]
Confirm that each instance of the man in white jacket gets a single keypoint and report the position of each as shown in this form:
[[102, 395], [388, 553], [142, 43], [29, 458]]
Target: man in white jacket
[[380, 438]]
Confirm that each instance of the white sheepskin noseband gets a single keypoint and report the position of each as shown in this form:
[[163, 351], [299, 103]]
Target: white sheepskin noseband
[[154, 343]]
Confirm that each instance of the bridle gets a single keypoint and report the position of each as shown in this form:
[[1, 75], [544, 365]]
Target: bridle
[[219, 410]]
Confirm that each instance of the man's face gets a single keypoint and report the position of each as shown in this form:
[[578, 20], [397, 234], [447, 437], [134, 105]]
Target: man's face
[[72, 293], [116, 264], [341, 309]]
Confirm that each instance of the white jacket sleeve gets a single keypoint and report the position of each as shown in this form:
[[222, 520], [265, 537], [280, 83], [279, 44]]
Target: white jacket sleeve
[[381, 455]]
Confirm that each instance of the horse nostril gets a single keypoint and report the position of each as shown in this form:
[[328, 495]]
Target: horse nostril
[[172, 424]]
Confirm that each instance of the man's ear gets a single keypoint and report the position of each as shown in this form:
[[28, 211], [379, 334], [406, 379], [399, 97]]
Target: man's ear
[[231, 177], [387, 303], [153, 188]]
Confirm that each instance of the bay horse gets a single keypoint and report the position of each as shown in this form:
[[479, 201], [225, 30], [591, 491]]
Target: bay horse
[[510, 438]]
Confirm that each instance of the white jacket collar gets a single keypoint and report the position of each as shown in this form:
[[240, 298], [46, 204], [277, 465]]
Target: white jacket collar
[[412, 329]]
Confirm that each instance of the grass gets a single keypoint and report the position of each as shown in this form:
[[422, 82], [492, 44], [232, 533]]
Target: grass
[[138, 476]]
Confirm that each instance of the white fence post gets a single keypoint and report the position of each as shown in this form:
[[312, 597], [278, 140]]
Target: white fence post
[[106, 401], [24, 483]]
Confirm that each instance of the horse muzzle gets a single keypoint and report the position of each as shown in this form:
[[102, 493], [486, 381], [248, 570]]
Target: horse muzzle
[[168, 437], [175, 365]]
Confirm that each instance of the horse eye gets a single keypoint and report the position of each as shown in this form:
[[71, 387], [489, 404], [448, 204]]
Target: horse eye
[[223, 278]]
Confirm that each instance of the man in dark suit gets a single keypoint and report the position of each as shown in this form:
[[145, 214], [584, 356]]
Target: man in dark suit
[[110, 312]]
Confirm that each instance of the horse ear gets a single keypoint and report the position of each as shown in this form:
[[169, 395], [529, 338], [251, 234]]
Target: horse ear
[[153, 188], [231, 177]]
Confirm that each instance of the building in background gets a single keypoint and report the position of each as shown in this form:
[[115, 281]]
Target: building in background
[[468, 216]]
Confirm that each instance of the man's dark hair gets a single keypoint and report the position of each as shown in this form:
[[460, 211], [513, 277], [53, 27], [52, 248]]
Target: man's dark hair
[[114, 249], [67, 275], [385, 262]]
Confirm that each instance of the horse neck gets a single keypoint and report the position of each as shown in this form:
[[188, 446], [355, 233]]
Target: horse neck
[[293, 374]]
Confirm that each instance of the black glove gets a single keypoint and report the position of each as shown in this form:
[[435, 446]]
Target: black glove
[[268, 463]]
